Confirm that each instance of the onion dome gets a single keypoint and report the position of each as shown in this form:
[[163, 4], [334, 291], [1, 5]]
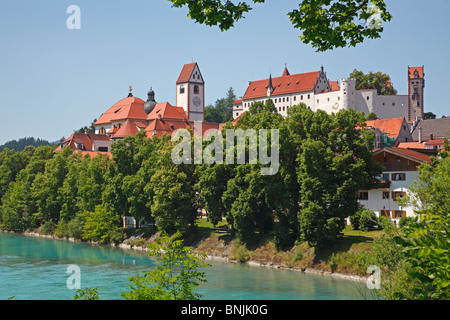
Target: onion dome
[[151, 103]]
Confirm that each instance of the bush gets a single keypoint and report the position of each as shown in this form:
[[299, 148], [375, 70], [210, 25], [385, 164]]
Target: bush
[[48, 227], [363, 219], [62, 229], [100, 225], [75, 228]]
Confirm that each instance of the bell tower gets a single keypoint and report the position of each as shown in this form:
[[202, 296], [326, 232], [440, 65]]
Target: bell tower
[[416, 85], [191, 92]]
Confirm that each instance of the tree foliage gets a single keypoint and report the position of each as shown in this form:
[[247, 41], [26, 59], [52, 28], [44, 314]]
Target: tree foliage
[[222, 111], [325, 24], [175, 277], [374, 80]]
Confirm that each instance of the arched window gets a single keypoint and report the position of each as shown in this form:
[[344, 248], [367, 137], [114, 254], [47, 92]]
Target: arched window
[[181, 89], [196, 89]]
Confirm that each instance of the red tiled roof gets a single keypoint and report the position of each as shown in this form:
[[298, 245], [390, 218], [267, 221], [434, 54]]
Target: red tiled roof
[[236, 102], [390, 126], [301, 82], [411, 145], [167, 111], [411, 72], [127, 129], [128, 108], [411, 154], [82, 140], [159, 127], [186, 72]]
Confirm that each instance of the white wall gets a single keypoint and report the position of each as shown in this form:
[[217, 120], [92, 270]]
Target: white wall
[[376, 202]]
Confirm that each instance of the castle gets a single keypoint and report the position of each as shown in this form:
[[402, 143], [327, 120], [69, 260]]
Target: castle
[[319, 93], [131, 114]]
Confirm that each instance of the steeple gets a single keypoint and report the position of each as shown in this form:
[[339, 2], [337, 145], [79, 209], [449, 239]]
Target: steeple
[[270, 86], [151, 103], [130, 94], [286, 71]]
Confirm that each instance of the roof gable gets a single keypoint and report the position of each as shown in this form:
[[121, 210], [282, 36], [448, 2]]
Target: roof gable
[[190, 73], [165, 110], [391, 127], [406, 153]]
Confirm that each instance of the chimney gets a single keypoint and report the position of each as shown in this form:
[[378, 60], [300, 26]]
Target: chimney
[[420, 135]]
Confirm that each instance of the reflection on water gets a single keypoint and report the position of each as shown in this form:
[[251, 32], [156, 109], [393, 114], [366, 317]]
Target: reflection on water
[[35, 268]]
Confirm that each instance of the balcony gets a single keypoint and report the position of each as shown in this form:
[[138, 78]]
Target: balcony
[[385, 184]]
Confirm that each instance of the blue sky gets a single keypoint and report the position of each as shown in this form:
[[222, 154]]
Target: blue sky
[[54, 80]]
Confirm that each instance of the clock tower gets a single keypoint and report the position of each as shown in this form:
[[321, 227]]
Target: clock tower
[[416, 85], [191, 92]]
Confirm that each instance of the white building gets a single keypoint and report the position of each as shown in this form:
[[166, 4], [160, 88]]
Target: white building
[[318, 92], [395, 181]]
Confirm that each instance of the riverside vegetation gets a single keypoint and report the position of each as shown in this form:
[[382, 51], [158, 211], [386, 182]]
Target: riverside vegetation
[[295, 218]]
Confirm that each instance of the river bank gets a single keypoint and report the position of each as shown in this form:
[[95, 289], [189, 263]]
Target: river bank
[[215, 248]]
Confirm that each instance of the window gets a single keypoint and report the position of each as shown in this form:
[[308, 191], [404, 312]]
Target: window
[[384, 213], [308, 96], [181, 89], [301, 97], [398, 176], [196, 90], [283, 99], [284, 109], [103, 149], [393, 104], [363, 195], [102, 131], [398, 195], [287, 99], [385, 194], [385, 176], [398, 214], [295, 98], [367, 97]]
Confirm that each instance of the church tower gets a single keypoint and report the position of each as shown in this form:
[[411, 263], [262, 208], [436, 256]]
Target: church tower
[[191, 92], [416, 84]]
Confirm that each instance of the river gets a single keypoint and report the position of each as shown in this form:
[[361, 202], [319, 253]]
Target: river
[[37, 269]]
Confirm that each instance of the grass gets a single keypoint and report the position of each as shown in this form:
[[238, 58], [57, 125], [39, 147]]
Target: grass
[[347, 255]]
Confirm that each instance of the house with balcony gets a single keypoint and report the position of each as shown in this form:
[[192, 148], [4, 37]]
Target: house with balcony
[[400, 170]]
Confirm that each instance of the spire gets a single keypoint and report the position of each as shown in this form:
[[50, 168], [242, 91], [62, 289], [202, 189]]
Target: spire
[[286, 71], [270, 86], [130, 94]]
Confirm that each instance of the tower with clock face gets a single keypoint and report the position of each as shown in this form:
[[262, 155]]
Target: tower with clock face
[[191, 92]]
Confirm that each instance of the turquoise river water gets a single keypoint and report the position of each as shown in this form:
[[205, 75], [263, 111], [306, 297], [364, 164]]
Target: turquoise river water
[[36, 269]]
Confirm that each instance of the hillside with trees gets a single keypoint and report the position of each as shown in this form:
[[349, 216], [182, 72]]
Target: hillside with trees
[[323, 161]]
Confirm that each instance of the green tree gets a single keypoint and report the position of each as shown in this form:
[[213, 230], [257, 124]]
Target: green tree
[[325, 24], [174, 202], [426, 244], [222, 111], [334, 161], [374, 80], [176, 276], [101, 225], [19, 204]]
